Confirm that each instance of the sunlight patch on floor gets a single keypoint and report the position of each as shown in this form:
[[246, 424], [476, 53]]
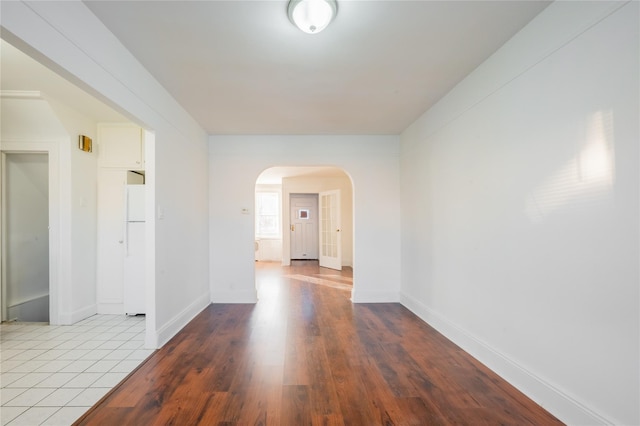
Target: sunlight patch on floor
[[321, 281]]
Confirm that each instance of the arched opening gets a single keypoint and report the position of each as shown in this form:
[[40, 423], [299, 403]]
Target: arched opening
[[304, 217]]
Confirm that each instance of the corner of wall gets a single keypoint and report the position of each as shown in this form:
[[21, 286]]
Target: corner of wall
[[69, 318], [171, 328], [562, 405]]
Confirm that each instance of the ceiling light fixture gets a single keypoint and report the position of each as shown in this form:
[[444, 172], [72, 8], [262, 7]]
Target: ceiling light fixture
[[312, 16]]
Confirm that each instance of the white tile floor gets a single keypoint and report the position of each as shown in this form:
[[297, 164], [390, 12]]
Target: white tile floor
[[51, 375]]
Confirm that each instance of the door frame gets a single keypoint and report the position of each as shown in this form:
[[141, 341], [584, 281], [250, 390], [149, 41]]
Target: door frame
[[51, 149]]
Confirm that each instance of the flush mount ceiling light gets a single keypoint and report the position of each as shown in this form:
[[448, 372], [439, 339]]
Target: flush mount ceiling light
[[312, 16]]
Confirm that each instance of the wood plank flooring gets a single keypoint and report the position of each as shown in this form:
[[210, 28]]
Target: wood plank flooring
[[305, 355]]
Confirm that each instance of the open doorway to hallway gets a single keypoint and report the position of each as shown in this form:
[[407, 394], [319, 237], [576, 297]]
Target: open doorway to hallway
[[304, 213], [25, 236], [43, 112]]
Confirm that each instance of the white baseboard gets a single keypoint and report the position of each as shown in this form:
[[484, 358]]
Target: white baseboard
[[110, 308], [558, 403], [250, 296], [69, 318], [365, 296], [175, 324]]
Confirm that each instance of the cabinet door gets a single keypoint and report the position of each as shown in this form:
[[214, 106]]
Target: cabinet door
[[111, 222], [120, 145]]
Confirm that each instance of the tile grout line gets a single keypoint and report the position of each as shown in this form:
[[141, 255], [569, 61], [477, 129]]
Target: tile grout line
[[122, 350]]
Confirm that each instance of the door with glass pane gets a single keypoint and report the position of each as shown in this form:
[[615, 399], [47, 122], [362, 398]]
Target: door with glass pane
[[330, 236]]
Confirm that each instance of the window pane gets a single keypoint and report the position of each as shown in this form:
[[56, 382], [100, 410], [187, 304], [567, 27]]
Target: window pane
[[267, 214], [268, 224], [268, 203]]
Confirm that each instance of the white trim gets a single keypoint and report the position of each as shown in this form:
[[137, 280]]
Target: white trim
[[359, 295], [3, 242], [51, 148], [149, 158], [565, 407], [115, 308], [175, 324], [20, 94], [79, 315]]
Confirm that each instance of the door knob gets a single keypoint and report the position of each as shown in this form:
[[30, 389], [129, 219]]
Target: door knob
[[293, 228]]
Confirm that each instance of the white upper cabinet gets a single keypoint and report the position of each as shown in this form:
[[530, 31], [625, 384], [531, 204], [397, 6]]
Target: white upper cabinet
[[121, 146]]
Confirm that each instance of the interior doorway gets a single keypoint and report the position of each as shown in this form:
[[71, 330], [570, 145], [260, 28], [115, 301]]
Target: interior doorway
[[281, 214], [25, 237], [72, 228]]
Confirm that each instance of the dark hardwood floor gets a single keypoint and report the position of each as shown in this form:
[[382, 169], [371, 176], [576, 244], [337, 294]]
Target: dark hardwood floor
[[304, 354]]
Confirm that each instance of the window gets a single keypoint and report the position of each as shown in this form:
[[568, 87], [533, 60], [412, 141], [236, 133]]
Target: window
[[268, 215]]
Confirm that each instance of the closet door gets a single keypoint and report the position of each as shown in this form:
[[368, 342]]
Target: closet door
[[111, 221]]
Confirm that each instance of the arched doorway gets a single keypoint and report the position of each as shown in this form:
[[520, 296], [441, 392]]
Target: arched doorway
[[304, 214]]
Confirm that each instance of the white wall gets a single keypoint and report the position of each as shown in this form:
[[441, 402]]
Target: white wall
[[520, 206], [371, 162], [71, 40], [78, 301], [314, 185], [25, 193]]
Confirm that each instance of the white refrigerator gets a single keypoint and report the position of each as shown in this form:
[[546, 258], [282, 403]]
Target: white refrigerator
[[134, 255]]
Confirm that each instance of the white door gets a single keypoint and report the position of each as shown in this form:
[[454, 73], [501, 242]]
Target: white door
[[330, 232], [111, 222], [134, 273], [304, 226], [26, 237]]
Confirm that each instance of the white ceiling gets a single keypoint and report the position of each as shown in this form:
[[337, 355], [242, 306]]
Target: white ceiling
[[20, 72], [240, 67]]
